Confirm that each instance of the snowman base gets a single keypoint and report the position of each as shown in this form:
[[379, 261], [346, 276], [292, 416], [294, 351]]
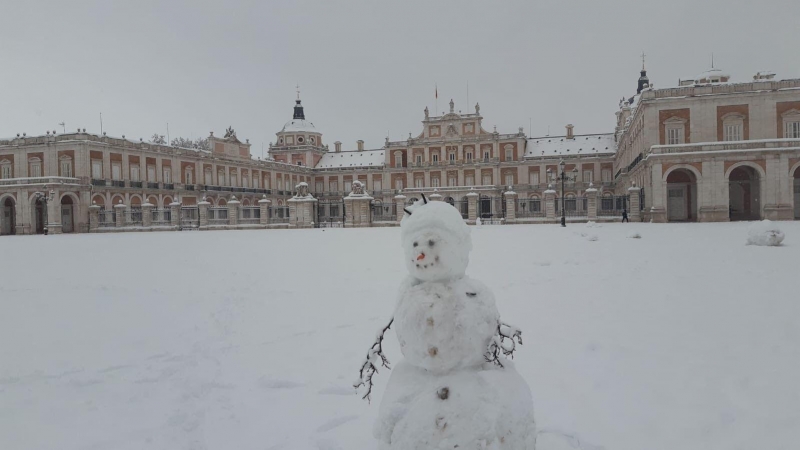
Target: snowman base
[[484, 407]]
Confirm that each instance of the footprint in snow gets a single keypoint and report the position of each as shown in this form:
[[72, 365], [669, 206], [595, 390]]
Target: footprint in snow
[[335, 423], [270, 383]]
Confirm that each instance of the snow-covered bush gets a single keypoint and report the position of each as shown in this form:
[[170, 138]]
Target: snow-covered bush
[[765, 233]]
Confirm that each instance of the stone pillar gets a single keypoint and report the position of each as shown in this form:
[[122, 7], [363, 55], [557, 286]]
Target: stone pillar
[[263, 206], [658, 195], [120, 209], [549, 203], [634, 214], [591, 202], [400, 204], [472, 207], [175, 213], [54, 214], [357, 213], [301, 211], [147, 214], [511, 206], [436, 197], [202, 212], [233, 211], [94, 217]]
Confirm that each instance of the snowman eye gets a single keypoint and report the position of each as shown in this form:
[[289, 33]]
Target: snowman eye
[[415, 244], [430, 243]]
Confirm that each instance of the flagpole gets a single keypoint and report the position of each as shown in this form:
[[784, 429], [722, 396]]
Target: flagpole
[[437, 98]]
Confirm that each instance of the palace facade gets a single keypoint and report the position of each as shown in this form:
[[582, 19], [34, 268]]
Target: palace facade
[[706, 150]]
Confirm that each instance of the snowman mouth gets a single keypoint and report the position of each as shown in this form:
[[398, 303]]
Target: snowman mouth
[[425, 266]]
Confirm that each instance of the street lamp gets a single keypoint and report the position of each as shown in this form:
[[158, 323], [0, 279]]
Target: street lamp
[[45, 198], [564, 177]]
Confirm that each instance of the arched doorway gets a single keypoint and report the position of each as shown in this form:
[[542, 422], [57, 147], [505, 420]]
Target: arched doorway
[[745, 194], [797, 193], [67, 215], [8, 220], [681, 196], [39, 215]]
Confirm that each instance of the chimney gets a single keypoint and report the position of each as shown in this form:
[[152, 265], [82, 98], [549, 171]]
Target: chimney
[[338, 145], [570, 133], [360, 145]]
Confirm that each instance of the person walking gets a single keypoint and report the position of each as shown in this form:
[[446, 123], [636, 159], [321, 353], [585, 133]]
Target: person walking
[[625, 216]]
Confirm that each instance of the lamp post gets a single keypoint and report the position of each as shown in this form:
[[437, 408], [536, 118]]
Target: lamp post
[[45, 198], [564, 177]]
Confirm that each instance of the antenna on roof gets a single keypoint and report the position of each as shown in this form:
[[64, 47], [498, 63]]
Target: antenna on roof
[[712, 60]]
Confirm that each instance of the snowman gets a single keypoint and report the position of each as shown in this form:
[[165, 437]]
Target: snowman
[[455, 388]]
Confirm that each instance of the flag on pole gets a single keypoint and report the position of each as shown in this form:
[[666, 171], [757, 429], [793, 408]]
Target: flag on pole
[[437, 91]]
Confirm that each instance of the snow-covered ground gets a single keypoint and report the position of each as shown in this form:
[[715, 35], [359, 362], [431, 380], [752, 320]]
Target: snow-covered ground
[[684, 339]]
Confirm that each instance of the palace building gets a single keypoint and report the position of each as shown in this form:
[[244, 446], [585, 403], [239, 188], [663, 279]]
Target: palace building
[[708, 149]]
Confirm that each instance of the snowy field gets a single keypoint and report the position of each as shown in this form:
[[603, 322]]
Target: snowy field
[[683, 339]]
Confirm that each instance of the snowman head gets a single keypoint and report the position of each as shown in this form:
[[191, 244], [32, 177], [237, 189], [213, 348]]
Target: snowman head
[[436, 241]]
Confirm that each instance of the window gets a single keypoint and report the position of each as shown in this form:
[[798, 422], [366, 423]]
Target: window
[[245, 181], [587, 176], [509, 179], [468, 156], [674, 131], [486, 180], [116, 171], [97, 169], [288, 185], [189, 175], [66, 167], [166, 174], [509, 153], [256, 183], [5, 169], [469, 180], [299, 163], [135, 172], [435, 157], [732, 125], [435, 182], [300, 139], [319, 185], [452, 156], [733, 132], [334, 186], [570, 204], [452, 181], [151, 174], [398, 159], [34, 167], [486, 154], [791, 129], [206, 176], [267, 182], [312, 140], [221, 177], [377, 184], [418, 182], [398, 183], [535, 178], [606, 175], [419, 160], [234, 178]]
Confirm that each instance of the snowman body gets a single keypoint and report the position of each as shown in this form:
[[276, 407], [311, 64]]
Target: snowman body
[[444, 393]]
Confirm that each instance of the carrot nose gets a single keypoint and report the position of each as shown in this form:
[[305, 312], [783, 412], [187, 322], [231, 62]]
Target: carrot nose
[[421, 256]]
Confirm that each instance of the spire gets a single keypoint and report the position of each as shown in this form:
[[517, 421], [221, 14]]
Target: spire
[[644, 81], [298, 107]]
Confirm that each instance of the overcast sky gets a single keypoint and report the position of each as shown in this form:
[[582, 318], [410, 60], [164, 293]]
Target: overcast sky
[[365, 69]]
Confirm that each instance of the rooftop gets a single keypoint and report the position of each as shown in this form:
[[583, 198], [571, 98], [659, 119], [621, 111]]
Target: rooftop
[[355, 158], [583, 144]]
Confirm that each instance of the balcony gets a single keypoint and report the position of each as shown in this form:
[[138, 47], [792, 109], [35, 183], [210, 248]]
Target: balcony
[[724, 146], [136, 184], [38, 180]]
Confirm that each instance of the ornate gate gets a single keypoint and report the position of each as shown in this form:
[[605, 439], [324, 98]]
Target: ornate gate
[[329, 214]]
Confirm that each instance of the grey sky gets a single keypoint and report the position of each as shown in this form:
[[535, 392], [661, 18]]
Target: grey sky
[[364, 68]]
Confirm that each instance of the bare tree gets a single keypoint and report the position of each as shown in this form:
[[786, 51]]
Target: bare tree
[[158, 139]]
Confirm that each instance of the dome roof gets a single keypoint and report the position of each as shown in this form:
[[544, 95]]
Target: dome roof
[[299, 125], [713, 74]]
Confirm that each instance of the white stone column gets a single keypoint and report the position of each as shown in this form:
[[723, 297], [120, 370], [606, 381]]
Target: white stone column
[[263, 206], [472, 206], [549, 203], [511, 206], [233, 211], [633, 194], [202, 212], [119, 210], [400, 204], [591, 202], [147, 214], [94, 217], [175, 213], [658, 212]]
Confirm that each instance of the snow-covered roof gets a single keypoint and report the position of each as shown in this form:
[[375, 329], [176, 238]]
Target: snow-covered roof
[[299, 125], [712, 73], [585, 144], [364, 158]]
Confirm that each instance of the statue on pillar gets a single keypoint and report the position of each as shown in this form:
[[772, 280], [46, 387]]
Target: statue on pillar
[[357, 188], [477, 108], [302, 189], [452, 106], [426, 112]]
